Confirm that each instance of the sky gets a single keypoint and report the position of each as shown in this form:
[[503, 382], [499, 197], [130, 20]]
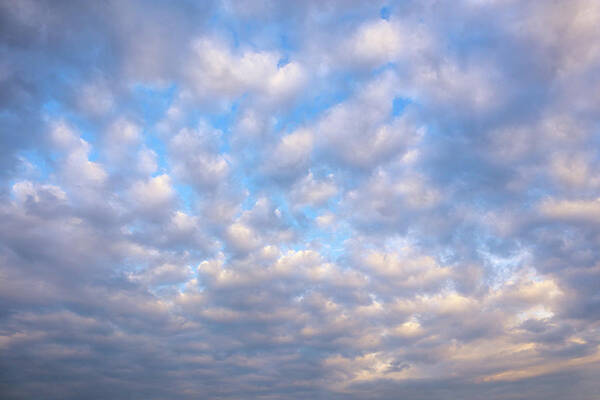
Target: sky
[[281, 200]]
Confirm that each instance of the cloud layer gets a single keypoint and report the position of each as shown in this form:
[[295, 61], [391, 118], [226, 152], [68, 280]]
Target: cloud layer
[[326, 199]]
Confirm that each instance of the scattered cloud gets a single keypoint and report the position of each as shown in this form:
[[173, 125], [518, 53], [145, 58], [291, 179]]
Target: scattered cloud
[[327, 199]]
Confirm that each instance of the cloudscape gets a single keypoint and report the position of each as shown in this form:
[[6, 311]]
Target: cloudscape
[[289, 200]]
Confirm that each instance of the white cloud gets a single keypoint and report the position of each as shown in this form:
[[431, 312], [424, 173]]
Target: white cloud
[[377, 42], [377, 207], [571, 210], [196, 157], [25, 191], [291, 154], [147, 161], [154, 194], [214, 68], [310, 191], [362, 132], [242, 237], [76, 167], [122, 133]]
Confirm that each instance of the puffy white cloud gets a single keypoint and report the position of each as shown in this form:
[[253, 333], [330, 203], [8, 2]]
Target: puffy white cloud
[[242, 237], [404, 270], [362, 132], [391, 201], [292, 153], [378, 41], [123, 133], [25, 191], [146, 161], [76, 168], [300, 200], [325, 220], [196, 156], [153, 195], [310, 191], [215, 69]]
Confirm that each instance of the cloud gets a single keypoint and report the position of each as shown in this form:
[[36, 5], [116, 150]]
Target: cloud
[[310, 191], [320, 199], [571, 210], [196, 158], [291, 154], [362, 132], [214, 69], [76, 168], [153, 195]]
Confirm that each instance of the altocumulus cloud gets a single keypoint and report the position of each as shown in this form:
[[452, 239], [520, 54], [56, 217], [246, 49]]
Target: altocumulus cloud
[[289, 200]]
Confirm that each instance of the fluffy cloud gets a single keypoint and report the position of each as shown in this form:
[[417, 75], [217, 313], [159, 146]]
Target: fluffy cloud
[[291, 154], [214, 69], [195, 156], [76, 166], [152, 195], [310, 191], [362, 132], [312, 199]]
